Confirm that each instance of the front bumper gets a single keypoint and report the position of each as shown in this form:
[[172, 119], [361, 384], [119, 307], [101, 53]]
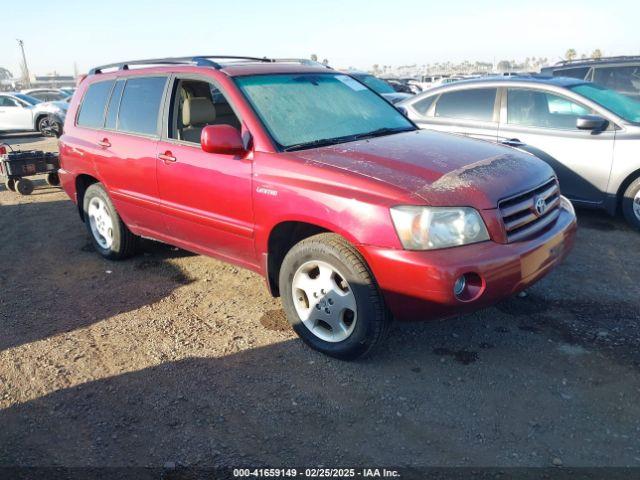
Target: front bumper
[[420, 285]]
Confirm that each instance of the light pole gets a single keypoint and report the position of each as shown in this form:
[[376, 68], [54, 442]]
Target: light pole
[[24, 63]]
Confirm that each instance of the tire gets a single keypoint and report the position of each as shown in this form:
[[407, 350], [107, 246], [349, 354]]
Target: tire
[[329, 324], [24, 186], [631, 204], [110, 236], [10, 183], [50, 126], [53, 179]]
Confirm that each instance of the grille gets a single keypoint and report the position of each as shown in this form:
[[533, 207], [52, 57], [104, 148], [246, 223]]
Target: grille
[[528, 213]]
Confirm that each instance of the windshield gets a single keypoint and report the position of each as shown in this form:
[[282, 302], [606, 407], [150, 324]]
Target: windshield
[[621, 105], [375, 83], [311, 110], [27, 98]]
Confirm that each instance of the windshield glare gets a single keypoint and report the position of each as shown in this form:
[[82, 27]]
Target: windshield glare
[[623, 106], [375, 84], [305, 110], [27, 98]]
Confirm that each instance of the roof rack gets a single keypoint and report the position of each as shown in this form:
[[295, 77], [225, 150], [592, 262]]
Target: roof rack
[[200, 61], [601, 59]]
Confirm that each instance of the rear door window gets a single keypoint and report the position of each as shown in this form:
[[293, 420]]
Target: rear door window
[[472, 104], [93, 104], [140, 105]]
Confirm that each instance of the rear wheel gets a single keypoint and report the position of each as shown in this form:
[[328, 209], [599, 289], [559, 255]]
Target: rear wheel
[[24, 186], [10, 183], [631, 204], [331, 298], [110, 236]]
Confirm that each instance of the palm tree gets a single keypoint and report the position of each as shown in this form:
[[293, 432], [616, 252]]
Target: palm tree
[[571, 54]]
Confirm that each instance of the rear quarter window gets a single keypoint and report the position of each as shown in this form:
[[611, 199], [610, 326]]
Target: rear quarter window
[[472, 104], [93, 104], [140, 105]]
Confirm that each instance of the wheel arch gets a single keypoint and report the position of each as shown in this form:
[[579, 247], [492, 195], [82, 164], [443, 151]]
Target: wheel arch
[[37, 119], [83, 181], [282, 237], [624, 185]]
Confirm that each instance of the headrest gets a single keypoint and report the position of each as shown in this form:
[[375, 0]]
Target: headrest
[[198, 111]]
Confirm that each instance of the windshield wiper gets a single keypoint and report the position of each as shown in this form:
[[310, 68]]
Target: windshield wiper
[[321, 142], [347, 138], [382, 131]]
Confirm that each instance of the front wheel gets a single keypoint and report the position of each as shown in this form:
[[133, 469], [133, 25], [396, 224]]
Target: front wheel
[[110, 236], [10, 183], [331, 298], [631, 204]]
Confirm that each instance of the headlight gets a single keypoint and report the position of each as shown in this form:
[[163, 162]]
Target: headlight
[[567, 205], [428, 228]]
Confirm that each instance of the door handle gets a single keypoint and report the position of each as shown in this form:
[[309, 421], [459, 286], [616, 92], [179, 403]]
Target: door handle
[[104, 142], [166, 157]]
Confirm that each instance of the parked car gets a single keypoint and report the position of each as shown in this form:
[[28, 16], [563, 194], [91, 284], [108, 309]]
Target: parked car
[[589, 134], [306, 176], [68, 90], [621, 74], [401, 85], [380, 86], [47, 94], [20, 112]]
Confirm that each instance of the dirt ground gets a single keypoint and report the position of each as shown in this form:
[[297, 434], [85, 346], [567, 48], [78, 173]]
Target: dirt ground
[[174, 358]]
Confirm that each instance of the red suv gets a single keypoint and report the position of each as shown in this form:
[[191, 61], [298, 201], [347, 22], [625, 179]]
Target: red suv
[[303, 174]]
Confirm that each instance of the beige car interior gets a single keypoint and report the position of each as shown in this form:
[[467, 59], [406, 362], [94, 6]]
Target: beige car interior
[[197, 105]]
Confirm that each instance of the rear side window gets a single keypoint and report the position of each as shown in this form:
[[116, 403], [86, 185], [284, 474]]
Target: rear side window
[[473, 104], [93, 105], [114, 103], [140, 105]]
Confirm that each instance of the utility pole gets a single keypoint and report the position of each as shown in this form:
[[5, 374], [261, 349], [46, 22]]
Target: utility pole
[[24, 64]]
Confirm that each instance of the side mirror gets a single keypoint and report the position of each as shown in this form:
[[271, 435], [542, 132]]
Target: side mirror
[[402, 110], [591, 122], [221, 139]]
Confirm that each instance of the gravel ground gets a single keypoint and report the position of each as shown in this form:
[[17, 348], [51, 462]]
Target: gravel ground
[[173, 358]]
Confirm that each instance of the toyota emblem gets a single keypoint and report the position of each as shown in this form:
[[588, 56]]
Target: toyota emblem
[[540, 206]]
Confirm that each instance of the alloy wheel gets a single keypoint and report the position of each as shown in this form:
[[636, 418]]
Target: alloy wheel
[[324, 301], [101, 222]]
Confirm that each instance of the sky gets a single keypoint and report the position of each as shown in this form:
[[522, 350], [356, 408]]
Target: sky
[[349, 33]]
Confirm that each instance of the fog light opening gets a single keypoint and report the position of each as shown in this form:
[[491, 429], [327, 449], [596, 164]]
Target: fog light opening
[[468, 287]]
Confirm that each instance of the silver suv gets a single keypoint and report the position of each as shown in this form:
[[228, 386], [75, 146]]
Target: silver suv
[[589, 134]]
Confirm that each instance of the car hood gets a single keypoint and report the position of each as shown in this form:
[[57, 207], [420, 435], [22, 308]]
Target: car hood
[[396, 97], [52, 107], [441, 169]]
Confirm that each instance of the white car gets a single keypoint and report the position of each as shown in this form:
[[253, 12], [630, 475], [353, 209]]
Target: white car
[[20, 112]]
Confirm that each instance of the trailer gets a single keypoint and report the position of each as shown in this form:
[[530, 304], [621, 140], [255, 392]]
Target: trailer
[[17, 165]]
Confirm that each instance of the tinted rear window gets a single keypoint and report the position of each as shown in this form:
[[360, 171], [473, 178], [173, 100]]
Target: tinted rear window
[[140, 105], [473, 104], [580, 73], [93, 103]]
